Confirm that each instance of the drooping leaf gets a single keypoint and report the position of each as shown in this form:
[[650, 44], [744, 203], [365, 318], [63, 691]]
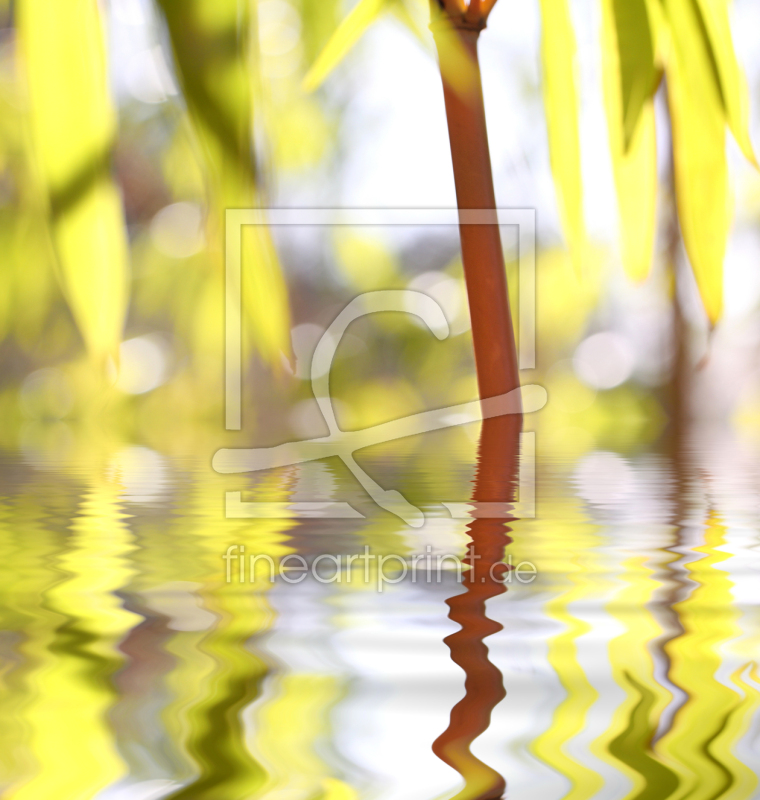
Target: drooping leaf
[[636, 67], [732, 81], [561, 104], [73, 127], [361, 16], [658, 29], [319, 19], [210, 42], [634, 162], [699, 152]]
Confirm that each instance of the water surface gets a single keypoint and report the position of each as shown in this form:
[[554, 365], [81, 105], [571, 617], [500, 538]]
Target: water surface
[[625, 668]]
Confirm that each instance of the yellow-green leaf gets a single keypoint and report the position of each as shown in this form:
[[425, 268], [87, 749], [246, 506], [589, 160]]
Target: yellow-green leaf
[[732, 81], [361, 16], [92, 249], [636, 68], [319, 19], [265, 294], [634, 162], [73, 126], [210, 41], [699, 153], [561, 104]]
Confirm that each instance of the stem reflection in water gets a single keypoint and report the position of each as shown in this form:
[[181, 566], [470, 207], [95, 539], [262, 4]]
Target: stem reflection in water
[[495, 482]]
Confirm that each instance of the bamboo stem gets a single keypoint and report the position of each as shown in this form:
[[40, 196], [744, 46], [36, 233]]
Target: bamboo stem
[[482, 255], [679, 389]]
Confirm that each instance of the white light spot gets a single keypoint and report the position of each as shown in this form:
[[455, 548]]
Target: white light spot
[[141, 472], [177, 230], [143, 790], [279, 27], [604, 479], [142, 364], [604, 360], [148, 78]]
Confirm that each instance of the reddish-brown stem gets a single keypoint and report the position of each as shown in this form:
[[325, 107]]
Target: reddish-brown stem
[[482, 256], [495, 479]]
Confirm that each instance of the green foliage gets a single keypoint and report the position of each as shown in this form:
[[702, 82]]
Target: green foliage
[[688, 41], [561, 104], [73, 127], [634, 158], [361, 16], [733, 89], [698, 125], [638, 74], [210, 41], [82, 201]]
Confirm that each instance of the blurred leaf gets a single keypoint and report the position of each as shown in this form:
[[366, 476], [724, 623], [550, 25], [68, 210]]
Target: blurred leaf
[[636, 67], [699, 152], [634, 161], [265, 297], [73, 128], [566, 303], [561, 103], [319, 19], [455, 63], [454, 60], [364, 261], [72, 682], [658, 29], [338, 790], [181, 171], [293, 115], [361, 16], [210, 41], [295, 720], [732, 82]]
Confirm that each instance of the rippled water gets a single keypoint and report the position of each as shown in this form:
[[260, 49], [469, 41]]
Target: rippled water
[[131, 667]]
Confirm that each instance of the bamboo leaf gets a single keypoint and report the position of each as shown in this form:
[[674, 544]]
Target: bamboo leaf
[[636, 67], [361, 16], [561, 104], [210, 41], [72, 129], [658, 29], [699, 152], [634, 162], [732, 81], [319, 20]]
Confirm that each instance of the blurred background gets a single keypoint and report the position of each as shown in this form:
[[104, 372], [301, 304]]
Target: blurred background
[[373, 135], [129, 668]]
